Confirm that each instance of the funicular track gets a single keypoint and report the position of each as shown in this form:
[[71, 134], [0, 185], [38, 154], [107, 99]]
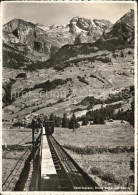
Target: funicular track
[[71, 176]]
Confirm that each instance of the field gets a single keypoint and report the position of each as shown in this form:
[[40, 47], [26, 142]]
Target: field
[[103, 151]]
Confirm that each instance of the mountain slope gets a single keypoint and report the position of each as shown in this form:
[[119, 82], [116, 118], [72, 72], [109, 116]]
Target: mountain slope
[[39, 42], [88, 30], [120, 35], [122, 31]]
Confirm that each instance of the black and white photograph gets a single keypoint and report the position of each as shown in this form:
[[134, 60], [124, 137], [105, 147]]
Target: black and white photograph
[[69, 97]]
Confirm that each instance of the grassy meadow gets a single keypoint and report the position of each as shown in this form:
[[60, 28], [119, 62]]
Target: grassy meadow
[[103, 151]]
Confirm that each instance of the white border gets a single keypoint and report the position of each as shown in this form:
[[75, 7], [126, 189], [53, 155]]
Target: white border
[[1, 96], [135, 134], [136, 99], [71, 1]]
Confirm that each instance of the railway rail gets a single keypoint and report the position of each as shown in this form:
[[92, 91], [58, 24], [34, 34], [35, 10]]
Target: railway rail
[[71, 177], [15, 181], [7, 184]]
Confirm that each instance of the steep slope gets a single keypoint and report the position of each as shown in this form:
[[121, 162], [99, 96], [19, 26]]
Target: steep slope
[[6, 92], [119, 36], [69, 51], [38, 42], [124, 28], [29, 34], [121, 33], [88, 30]]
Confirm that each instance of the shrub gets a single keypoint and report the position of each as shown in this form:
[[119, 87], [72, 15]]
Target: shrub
[[85, 121], [106, 176], [109, 177], [18, 124], [132, 164], [21, 75], [104, 59], [78, 109], [115, 55], [83, 80], [90, 101], [129, 52], [121, 54], [15, 147], [89, 150], [95, 171]]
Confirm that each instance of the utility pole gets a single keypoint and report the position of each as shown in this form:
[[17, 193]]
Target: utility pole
[[33, 130]]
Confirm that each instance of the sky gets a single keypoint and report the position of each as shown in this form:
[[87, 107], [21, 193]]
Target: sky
[[61, 13]]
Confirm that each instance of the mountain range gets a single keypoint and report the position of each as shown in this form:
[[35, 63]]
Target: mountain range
[[34, 42]]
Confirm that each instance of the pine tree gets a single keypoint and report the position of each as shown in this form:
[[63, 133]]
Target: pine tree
[[51, 117], [101, 120], [122, 54], [65, 121], [85, 121], [132, 105], [95, 120], [45, 118], [132, 164], [57, 121], [73, 122]]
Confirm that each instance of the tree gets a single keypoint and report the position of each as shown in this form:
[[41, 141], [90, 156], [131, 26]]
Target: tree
[[45, 118], [95, 120], [73, 122], [131, 177], [132, 90], [101, 120], [65, 121], [132, 164], [57, 121], [51, 117], [84, 121], [122, 54], [132, 105], [130, 117]]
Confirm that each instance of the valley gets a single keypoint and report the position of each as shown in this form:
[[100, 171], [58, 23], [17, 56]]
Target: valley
[[101, 79]]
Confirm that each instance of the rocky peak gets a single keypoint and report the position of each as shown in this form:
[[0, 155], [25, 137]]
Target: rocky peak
[[41, 26], [56, 26], [124, 27], [127, 18], [19, 28], [18, 24], [122, 32], [91, 29], [11, 25]]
